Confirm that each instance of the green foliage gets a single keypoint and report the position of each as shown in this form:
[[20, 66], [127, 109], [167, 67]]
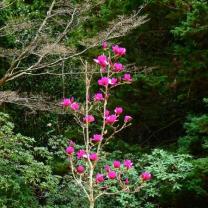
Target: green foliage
[[196, 140], [170, 171], [198, 181], [174, 43], [23, 180]]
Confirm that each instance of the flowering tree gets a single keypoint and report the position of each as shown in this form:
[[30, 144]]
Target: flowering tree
[[99, 125]]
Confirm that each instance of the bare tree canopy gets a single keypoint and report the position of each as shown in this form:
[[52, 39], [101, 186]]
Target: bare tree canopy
[[47, 49]]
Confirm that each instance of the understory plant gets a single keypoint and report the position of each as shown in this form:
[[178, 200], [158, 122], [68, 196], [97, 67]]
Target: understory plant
[[99, 126]]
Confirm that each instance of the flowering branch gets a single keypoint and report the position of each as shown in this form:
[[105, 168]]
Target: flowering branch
[[113, 179]]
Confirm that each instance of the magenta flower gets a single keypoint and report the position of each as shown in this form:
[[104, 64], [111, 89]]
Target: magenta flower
[[107, 168], [74, 106], [93, 157], [89, 119], [104, 45], [70, 150], [118, 110], [104, 81], [102, 60], [107, 113], [97, 138], [81, 153], [126, 181], [113, 81], [146, 176], [80, 169], [111, 119], [127, 78], [116, 164], [118, 51], [98, 97], [99, 178], [118, 67], [112, 174], [127, 119], [67, 102], [128, 164]]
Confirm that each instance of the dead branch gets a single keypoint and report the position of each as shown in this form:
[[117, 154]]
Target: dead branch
[[49, 52], [32, 102]]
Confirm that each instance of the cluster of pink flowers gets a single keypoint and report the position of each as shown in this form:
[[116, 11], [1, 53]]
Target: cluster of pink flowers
[[103, 61], [118, 51], [80, 169], [98, 97], [112, 173], [97, 138], [112, 118], [69, 102], [89, 119], [146, 176], [118, 67], [70, 150], [105, 81], [81, 154], [91, 155]]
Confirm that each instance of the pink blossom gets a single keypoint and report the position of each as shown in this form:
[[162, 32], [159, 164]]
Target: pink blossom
[[74, 106], [113, 81], [80, 169], [103, 70], [71, 143], [67, 102], [116, 164], [98, 97], [118, 110], [99, 178], [118, 67], [128, 164], [111, 119], [107, 168], [97, 138], [127, 119], [104, 81], [89, 119], [70, 150], [93, 156], [126, 181], [118, 51], [112, 174], [107, 113], [102, 60], [146, 176], [81, 153], [127, 78], [104, 45]]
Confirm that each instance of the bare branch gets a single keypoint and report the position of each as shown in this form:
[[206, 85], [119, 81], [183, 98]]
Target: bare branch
[[49, 52]]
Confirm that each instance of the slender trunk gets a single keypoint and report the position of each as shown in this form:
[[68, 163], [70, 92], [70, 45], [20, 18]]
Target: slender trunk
[[91, 190], [92, 204]]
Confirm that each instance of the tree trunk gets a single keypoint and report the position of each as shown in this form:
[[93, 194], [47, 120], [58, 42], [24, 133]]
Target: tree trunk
[[92, 204]]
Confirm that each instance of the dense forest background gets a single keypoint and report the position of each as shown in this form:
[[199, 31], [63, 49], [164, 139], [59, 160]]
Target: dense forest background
[[168, 57]]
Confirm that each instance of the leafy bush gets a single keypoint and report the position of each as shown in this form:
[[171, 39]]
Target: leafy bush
[[24, 181], [170, 171]]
